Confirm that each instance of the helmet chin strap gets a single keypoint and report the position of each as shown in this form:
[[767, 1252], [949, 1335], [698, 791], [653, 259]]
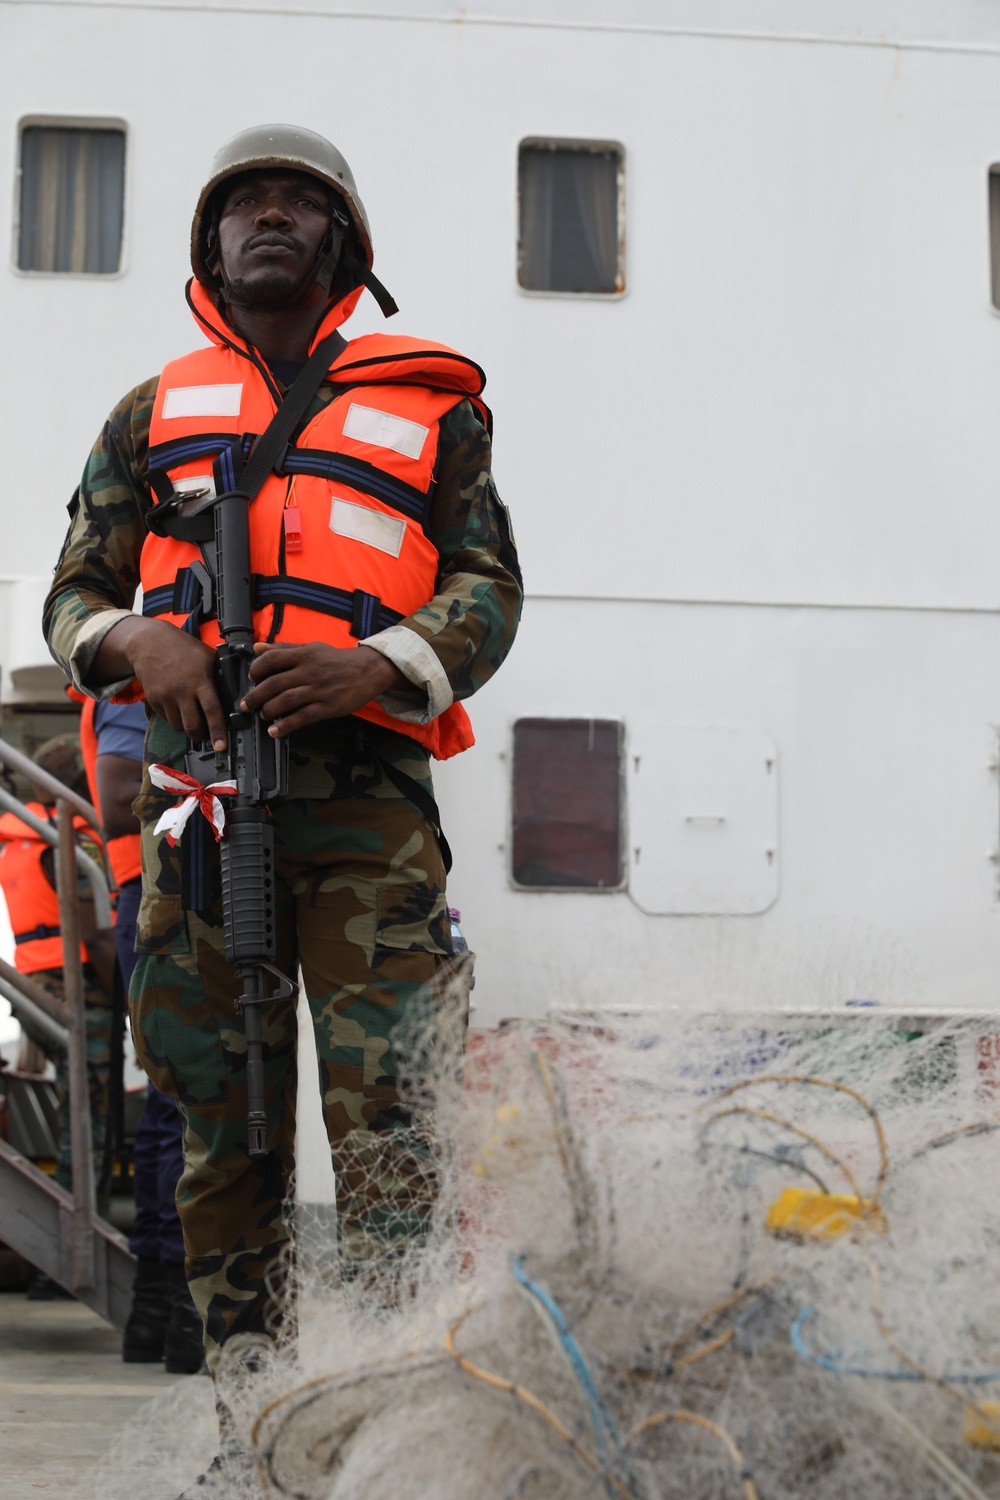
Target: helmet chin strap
[[329, 253], [384, 298], [367, 278]]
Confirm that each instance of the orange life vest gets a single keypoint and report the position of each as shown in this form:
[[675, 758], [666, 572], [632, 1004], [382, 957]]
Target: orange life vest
[[32, 902], [338, 549], [123, 852]]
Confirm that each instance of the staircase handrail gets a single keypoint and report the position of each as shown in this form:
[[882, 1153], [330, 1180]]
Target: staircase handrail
[[18, 761], [41, 1008]]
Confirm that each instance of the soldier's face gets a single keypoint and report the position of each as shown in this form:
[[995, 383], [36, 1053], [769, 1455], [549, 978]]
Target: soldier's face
[[271, 227]]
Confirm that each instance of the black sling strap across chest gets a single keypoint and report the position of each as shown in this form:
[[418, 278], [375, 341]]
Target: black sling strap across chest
[[195, 524], [266, 455]]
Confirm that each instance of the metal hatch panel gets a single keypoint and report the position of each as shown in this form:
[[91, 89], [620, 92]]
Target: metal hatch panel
[[703, 821]]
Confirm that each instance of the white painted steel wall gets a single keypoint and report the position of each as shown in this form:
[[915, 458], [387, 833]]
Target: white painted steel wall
[[759, 491]]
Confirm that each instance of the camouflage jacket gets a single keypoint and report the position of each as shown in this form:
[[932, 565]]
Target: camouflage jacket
[[447, 649]]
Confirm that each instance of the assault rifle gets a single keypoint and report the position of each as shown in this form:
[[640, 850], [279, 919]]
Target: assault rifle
[[257, 763], [259, 766]]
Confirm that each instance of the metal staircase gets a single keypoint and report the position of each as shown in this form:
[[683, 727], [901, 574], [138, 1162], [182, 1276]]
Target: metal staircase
[[62, 1233], [81, 1251]]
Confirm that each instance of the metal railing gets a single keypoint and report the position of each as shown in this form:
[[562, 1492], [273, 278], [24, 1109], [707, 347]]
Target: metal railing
[[61, 1233], [34, 1003], [16, 760]]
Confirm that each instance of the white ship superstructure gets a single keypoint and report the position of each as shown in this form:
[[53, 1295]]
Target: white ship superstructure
[[753, 475]]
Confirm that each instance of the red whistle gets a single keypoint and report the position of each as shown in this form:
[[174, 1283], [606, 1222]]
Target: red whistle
[[293, 529]]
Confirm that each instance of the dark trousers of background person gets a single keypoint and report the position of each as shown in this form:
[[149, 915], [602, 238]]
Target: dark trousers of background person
[[158, 1154], [163, 1322]]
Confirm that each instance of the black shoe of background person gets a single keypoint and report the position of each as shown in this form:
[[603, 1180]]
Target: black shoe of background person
[[152, 1303], [42, 1288], [184, 1343]]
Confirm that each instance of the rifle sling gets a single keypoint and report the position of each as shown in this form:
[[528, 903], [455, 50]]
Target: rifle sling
[[270, 446], [414, 793], [266, 453]]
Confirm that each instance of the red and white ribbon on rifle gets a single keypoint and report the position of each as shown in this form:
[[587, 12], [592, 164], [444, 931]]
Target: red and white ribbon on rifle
[[205, 797]]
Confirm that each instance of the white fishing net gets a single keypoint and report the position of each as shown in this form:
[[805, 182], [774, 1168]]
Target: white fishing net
[[600, 1308]]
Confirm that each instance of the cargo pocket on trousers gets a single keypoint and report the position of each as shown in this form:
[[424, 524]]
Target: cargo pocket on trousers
[[413, 945], [412, 933], [161, 924]]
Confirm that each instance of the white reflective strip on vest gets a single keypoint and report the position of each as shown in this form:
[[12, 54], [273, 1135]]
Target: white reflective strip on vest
[[368, 526], [383, 430], [202, 401]]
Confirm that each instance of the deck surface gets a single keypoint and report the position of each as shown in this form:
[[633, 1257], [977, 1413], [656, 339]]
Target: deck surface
[[66, 1394]]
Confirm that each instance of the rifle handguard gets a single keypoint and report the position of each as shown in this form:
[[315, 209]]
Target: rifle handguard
[[247, 853]]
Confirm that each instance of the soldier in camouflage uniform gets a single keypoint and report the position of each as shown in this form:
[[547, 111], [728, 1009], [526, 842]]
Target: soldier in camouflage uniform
[[361, 883]]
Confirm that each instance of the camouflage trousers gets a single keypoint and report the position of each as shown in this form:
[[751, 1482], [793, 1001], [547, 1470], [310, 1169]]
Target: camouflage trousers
[[99, 1019], [361, 908]]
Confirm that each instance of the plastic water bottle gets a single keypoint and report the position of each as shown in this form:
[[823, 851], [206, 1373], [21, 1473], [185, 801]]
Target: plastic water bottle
[[458, 943]]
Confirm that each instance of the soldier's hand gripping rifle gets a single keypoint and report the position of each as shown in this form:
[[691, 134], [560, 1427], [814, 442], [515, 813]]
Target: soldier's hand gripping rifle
[[257, 763]]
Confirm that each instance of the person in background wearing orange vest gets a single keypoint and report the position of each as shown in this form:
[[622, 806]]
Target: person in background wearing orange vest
[[28, 880], [163, 1322]]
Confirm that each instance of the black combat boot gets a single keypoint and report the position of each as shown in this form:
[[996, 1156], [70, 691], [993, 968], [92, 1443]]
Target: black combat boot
[[152, 1303], [184, 1343]]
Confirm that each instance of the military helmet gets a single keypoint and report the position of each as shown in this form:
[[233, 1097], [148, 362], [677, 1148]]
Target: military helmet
[[63, 759], [278, 146]]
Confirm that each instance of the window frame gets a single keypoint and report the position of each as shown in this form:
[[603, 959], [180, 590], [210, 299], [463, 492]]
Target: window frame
[[993, 233], [622, 800], [594, 147], [69, 122]]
